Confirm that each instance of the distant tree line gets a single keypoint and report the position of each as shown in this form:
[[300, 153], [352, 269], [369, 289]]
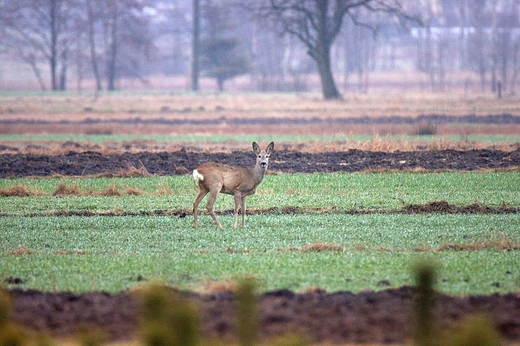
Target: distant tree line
[[279, 43]]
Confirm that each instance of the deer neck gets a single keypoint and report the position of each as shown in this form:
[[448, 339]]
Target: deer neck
[[258, 173]]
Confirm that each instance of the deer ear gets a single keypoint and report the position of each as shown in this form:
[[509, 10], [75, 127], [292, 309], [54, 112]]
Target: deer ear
[[256, 148], [270, 148]]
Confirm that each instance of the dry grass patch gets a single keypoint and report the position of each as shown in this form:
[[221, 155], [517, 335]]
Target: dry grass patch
[[379, 142], [22, 250], [503, 243], [133, 191], [110, 190], [73, 252], [211, 287], [67, 190], [163, 189], [18, 190], [64, 189], [319, 247]]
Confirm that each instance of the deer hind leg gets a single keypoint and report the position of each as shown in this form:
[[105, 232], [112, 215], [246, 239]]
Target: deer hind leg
[[203, 192], [212, 197]]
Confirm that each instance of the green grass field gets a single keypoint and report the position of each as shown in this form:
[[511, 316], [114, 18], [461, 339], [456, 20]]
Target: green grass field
[[113, 243], [325, 192]]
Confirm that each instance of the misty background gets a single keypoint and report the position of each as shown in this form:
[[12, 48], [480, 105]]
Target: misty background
[[261, 45]]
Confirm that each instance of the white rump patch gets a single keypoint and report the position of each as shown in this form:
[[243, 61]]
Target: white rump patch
[[197, 176]]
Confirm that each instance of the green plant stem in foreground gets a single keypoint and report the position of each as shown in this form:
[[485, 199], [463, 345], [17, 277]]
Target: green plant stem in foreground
[[115, 253]]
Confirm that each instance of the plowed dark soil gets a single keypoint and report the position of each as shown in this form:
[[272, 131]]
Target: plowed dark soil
[[341, 317], [182, 161]]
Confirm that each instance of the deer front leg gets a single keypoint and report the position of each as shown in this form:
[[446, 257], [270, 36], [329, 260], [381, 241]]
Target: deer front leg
[[238, 199], [243, 212]]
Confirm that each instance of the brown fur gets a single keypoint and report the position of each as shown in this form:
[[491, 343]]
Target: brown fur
[[215, 178]]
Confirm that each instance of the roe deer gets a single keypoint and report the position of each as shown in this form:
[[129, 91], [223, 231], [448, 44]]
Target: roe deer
[[240, 182]]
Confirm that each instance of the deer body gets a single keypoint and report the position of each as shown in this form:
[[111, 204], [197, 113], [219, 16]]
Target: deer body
[[215, 178]]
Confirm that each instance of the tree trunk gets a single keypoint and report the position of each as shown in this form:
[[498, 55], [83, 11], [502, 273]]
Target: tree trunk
[[34, 66], [92, 45], [494, 46], [481, 59], [53, 58], [63, 71], [328, 85], [429, 59], [111, 63], [322, 53], [514, 76], [195, 47]]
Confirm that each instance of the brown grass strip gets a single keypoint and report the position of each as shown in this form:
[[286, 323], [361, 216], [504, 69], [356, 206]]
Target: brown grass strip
[[440, 207], [380, 142], [443, 207], [22, 250], [73, 252], [316, 247], [500, 244], [16, 191], [319, 247]]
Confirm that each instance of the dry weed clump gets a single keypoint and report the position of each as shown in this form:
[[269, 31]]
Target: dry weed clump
[[67, 190], [73, 190], [162, 190], [18, 190], [133, 191], [212, 286], [111, 190]]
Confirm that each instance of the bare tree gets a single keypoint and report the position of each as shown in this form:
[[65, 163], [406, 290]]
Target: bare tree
[[317, 23], [92, 17], [33, 28], [126, 39]]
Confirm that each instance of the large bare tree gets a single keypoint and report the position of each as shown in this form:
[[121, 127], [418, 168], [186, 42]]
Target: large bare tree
[[317, 23]]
